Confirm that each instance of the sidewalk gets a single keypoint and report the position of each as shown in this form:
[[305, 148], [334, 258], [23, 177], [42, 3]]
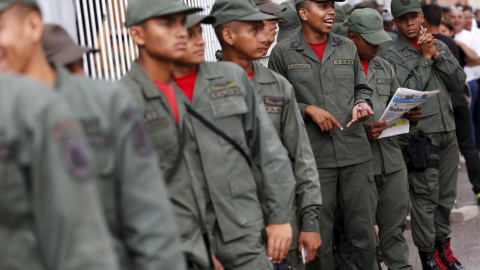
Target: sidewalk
[[465, 235]]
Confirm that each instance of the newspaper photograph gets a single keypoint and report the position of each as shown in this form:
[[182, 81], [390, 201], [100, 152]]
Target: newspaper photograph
[[403, 101]]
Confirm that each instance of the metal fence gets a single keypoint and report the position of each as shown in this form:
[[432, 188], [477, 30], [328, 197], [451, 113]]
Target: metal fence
[[100, 26]]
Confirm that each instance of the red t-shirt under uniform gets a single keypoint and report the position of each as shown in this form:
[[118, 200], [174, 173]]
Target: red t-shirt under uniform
[[415, 44], [319, 49], [365, 65], [169, 92], [187, 83]]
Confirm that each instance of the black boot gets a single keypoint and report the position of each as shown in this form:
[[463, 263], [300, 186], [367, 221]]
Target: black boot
[[446, 255], [430, 260]]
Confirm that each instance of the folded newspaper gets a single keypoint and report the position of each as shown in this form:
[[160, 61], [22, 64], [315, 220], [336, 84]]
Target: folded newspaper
[[403, 101]]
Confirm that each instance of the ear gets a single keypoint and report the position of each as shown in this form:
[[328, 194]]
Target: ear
[[394, 23], [351, 36], [137, 33], [303, 13], [421, 15], [34, 26], [228, 36]]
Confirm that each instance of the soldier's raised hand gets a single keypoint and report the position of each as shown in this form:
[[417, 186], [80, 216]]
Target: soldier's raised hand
[[360, 113], [324, 120]]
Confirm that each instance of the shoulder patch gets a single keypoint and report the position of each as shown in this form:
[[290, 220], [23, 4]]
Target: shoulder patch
[[141, 142], [337, 40], [377, 64], [344, 62], [299, 66], [75, 158], [294, 45], [393, 65]]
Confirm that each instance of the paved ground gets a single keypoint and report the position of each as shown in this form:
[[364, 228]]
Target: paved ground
[[465, 235]]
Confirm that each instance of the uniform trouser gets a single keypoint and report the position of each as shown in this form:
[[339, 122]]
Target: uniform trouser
[[294, 260], [433, 191], [244, 253], [392, 210], [358, 200], [466, 143]]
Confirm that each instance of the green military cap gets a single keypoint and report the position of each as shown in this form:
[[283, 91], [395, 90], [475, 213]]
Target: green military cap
[[59, 46], [289, 23], [300, 1], [339, 13], [347, 8], [369, 4], [139, 11], [194, 19], [4, 4], [267, 6], [226, 11], [400, 7], [369, 24]]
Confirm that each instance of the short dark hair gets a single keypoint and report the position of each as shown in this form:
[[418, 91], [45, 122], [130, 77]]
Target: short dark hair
[[433, 14], [300, 5]]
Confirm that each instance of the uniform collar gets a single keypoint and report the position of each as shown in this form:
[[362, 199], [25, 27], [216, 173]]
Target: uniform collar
[[62, 76], [149, 89], [373, 65], [401, 44], [299, 43], [261, 74]]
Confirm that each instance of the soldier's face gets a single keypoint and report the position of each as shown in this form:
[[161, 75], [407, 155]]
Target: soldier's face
[[319, 16], [366, 51], [409, 25], [457, 19], [163, 38], [249, 39], [16, 40], [195, 46], [270, 31]]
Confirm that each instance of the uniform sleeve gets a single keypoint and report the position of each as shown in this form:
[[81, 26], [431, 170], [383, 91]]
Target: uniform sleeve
[[268, 154], [363, 91], [295, 139], [275, 63], [418, 78], [146, 217], [70, 227], [394, 85], [451, 72]]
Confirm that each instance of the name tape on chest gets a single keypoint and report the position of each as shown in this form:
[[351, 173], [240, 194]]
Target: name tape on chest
[[153, 121], [224, 89], [299, 66], [273, 104], [93, 131], [384, 81], [344, 62], [410, 57]]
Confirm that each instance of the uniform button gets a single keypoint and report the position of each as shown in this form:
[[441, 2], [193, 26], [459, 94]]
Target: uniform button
[[425, 62], [311, 224]]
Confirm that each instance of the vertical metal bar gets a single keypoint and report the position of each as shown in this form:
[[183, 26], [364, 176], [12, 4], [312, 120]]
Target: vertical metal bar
[[95, 38], [114, 40], [119, 39], [81, 34], [132, 46], [109, 46], [89, 39], [103, 71], [126, 36]]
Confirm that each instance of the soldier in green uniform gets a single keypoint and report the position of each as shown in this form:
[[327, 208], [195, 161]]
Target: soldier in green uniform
[[278, 98], [334, 97], [289, 23], [51, 215], [422, 63], [130, 184], [365, 30]]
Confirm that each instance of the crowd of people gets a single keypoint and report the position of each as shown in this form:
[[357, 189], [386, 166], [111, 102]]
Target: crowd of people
[[188, 164]]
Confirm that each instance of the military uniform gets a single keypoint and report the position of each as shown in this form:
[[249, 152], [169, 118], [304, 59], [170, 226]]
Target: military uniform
[[390, 172], [433, 191], [183, 188], [128, 174], [389, 166], [225, 97], [336, 83], [51, 217], [278, 97]]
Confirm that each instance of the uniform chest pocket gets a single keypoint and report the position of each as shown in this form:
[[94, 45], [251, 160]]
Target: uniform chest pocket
[[300, 75], [344, 78], [228, 116], [383, 90]]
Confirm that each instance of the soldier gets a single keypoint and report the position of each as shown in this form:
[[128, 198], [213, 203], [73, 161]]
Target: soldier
[[365, 30], [280, 103], [289, 22], [51, 217], [128, 176], [330, 85], [421, 63], [270, 26]]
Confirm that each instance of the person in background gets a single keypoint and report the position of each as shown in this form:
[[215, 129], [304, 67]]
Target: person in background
[[270, 27], [289, 23]]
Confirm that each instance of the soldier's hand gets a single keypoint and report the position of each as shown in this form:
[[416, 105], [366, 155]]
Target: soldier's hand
[[279, 241], [414, 114], [426, 42], [217, 263], [312, 241], [374, 130], [324, 120], [360, 113]]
